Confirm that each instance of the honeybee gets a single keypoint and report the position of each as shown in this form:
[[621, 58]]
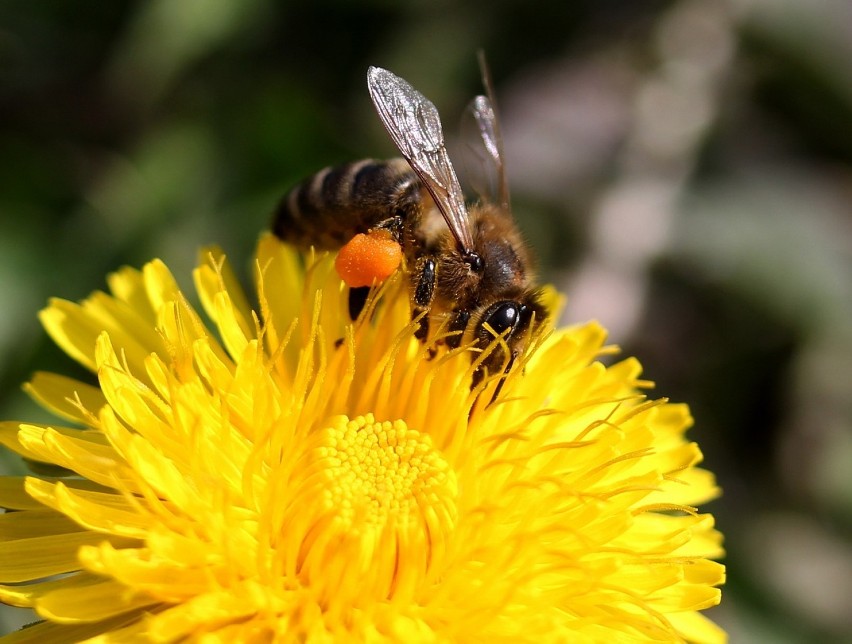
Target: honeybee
[[468, 267]]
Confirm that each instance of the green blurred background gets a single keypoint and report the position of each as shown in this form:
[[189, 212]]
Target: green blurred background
[[683, 169]]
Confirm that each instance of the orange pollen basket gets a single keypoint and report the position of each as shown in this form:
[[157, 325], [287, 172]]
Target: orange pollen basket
[[368, 259]]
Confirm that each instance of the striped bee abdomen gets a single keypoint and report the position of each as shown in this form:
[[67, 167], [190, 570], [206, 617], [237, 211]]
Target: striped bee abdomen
[[329, 208]]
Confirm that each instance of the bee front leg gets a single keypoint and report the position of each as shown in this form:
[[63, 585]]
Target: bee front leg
[[457, 326], [423, 277]]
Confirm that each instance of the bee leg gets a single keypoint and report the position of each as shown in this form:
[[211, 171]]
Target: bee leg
[[506, 371], [357, 300], [424, 291], [457, 327], [394, 225], [358, 295], [482, 370]]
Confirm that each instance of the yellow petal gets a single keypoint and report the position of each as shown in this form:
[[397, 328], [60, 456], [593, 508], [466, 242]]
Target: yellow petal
[[50, 633], [97, 463], [14, 497], [160, 285], [105, 513], [66, 397], [128, 285], [38, 557], [25, 596], [695, 627], [215, 275], [34, 523], [92, 602], [76, 327]]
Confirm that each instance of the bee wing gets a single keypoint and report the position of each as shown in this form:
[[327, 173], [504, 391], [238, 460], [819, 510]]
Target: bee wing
[[483, 151], [415, 127]]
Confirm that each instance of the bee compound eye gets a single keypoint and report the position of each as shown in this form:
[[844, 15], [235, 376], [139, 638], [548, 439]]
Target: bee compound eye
[[502, 316]]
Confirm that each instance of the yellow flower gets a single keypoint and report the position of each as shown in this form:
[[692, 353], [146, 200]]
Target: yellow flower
[[295, 477]]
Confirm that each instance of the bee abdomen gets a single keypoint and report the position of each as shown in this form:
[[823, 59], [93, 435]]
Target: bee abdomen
[[336, 203]]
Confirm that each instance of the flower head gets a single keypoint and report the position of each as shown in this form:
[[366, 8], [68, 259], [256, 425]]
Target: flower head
[[282, 473]]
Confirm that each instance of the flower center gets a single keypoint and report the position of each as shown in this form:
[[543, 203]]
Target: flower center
[[384, 503], [384, 472]]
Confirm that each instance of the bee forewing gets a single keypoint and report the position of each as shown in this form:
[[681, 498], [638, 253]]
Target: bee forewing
[[415, 127]]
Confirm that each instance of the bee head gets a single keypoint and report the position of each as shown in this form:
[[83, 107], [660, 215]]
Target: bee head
[[510, 320]]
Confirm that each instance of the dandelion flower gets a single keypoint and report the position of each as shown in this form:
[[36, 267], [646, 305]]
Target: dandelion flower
[[282, 474]]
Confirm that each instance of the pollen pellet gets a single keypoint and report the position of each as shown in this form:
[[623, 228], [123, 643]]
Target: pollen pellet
[[368, 258]]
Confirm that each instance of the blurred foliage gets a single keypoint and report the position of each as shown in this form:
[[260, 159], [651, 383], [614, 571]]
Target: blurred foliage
[[683, 168]]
